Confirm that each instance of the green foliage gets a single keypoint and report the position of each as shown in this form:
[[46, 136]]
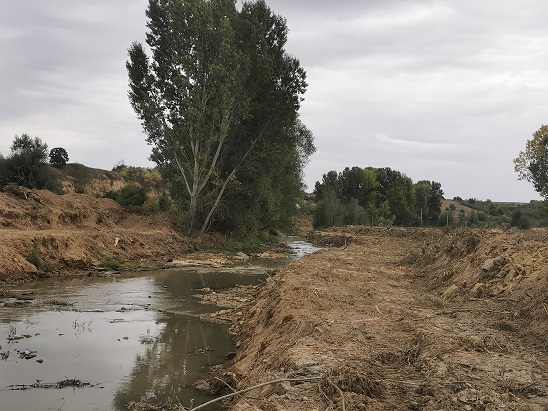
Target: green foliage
[[113, 263], [157, 204], [532, 163], [149, 178], [130, 195], [26, 165], [520, 220], [83, 178], [490, 214], [58, 157], [329, 210], [35, 258], [447, 218], [247, 245], [375, 196], [218, 101], [429, 196]]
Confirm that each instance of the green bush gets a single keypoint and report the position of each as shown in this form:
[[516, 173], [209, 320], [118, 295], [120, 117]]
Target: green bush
[[26, 166], [129, 196], [156, 204], [113, 263], [36, 259]]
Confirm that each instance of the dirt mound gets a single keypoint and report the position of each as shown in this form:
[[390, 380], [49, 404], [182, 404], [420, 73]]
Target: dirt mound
[[364, 327], [46, 234], [506, 265], [24, 209]]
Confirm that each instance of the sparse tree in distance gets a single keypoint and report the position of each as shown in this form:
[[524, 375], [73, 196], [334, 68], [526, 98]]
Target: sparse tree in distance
[[58, 157], [532, 163]]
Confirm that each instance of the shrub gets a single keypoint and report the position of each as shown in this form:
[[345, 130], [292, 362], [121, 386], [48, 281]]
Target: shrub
[[129, 196], [36, 259], [113, 263], [155, 204]]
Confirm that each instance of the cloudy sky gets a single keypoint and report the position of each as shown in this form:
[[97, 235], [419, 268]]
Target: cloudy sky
[[440, 90]]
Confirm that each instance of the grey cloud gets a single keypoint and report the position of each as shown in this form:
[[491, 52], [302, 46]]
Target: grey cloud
[[455, 87]]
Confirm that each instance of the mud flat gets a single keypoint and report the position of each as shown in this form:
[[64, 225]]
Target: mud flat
[[394, 319]]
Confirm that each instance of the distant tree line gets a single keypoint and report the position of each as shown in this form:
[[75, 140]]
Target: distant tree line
[[492, 214], [375, 196]]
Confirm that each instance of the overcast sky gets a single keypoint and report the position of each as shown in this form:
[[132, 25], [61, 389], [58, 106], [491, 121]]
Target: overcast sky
[[439, 90]]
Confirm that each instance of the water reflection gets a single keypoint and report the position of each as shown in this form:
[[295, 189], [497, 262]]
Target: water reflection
[[136, 337], [133, 338], [172, 362]]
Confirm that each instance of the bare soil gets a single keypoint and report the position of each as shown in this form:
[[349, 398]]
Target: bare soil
[[395, 319], [77, 232]]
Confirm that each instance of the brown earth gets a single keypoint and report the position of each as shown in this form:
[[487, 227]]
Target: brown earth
[[395, 319], [76, 232]]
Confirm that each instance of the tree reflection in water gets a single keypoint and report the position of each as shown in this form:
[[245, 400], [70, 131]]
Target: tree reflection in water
[[173, 361]]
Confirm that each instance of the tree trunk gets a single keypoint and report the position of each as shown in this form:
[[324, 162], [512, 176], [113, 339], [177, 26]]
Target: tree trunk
[[216, 203]]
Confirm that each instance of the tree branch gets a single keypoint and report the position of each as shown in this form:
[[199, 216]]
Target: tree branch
[[252, 388]]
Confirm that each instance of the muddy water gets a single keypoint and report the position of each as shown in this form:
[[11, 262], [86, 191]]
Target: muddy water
[[135, 337]]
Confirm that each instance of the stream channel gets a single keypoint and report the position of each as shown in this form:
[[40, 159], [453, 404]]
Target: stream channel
[[99, 343]]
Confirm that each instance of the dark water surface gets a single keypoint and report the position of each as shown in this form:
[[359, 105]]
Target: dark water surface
[[135, 337]]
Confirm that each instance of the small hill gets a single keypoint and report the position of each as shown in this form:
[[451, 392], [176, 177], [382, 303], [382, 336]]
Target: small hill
[[77, 178]]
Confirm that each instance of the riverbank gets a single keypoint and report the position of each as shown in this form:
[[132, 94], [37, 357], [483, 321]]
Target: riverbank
[[46, 235], [395, 319]]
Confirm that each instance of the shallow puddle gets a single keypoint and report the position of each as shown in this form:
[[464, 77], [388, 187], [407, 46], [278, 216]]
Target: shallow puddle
[[135, 337]]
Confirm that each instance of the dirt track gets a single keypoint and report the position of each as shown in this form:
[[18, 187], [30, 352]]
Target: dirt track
[[380, 324]]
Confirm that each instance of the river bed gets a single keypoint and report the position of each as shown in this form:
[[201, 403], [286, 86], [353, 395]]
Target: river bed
[[109, 341]]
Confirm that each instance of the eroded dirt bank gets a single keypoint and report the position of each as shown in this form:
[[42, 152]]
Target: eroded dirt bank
[[396, 319], [75, 232]]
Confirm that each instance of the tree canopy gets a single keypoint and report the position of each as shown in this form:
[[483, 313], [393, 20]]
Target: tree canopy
[[532, 163], [375, 196], [58, 156], [218, 97], [26, 165]]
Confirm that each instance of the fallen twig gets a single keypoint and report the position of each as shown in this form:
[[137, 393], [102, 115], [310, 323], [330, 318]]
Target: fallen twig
[[252, 388], [233, 390]]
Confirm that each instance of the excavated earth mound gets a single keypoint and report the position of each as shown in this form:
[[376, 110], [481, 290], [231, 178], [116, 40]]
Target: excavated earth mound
[[45, 234], [394, 319]]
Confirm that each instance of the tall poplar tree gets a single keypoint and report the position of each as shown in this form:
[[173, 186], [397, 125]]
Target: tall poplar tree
[[195, 97]]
